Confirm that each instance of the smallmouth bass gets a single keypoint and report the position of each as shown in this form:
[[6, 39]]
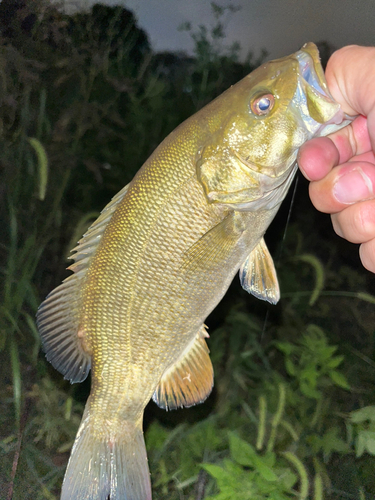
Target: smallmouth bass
[[162, 255]]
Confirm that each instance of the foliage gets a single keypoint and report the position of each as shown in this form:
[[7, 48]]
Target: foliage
[[216, 64], [312, 362], [363, 426], [283, 448], [84, 101], [249, 475]]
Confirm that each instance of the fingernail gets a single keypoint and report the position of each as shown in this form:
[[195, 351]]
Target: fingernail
[[353, 186]]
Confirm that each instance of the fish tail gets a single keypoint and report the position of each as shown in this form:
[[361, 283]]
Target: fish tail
[[107, 459]]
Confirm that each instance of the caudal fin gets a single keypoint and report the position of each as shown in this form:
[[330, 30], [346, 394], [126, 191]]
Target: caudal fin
[[107, 459]]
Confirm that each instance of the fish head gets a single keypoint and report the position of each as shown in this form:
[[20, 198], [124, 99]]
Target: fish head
[[250, 160]]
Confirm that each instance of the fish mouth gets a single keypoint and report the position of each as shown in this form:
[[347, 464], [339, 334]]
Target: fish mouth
[[323, 109], [317, 107], [311, 69]]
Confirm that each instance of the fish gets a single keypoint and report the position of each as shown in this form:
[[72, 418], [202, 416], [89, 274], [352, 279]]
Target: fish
[[161, 256]]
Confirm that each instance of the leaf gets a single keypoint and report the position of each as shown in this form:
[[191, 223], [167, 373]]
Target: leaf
[[241, 451], [315, 333], [363, 414], [335, 362], [265, 471], [309, 391], [290, 368], [244, 454], [287, 479], [339, 379], [216, 471], [319, 275], [365, 442], [326, 352], [310, 374], [366, 297], [286, 347], [360, 445], [42, 165], [332, 442], [232, 480], [370, 441]]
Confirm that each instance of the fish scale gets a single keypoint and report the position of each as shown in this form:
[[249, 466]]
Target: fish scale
[[160, 258]]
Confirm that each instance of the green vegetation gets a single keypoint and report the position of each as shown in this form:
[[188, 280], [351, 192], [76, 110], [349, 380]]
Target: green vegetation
[[84, 101]]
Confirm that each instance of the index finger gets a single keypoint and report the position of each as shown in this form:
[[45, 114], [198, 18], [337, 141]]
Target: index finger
[[317, 157], [353, 140]]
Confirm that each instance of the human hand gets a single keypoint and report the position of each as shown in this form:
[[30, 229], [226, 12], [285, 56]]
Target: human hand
[[341, 167]]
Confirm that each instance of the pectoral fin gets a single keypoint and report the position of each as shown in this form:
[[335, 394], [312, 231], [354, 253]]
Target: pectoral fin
[[190, 380], [214, 246], [258, 274]]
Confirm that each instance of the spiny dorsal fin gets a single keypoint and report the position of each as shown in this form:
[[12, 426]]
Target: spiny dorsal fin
[[190, 380], [87, 245], [58, 317], [258, 274]]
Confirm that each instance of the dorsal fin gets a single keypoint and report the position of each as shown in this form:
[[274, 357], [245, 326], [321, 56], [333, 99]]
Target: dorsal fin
[[190, 380], [58, 317], [88, 243]]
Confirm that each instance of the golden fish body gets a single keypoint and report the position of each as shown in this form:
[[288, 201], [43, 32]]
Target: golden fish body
[[162, 255]]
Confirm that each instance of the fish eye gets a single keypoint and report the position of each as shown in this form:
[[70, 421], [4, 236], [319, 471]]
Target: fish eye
[[262, 104]]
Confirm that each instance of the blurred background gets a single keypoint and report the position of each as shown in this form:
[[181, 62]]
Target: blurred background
[[278, 27], [87, 92]]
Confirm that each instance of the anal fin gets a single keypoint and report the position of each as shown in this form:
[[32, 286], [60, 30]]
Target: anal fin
[[258, 274], [190, 380]]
